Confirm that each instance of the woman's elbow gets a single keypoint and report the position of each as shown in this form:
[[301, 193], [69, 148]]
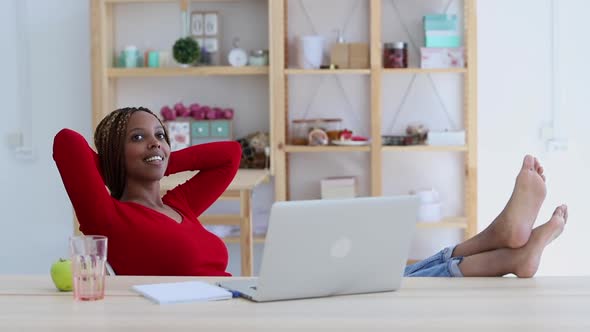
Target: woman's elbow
[[235, 151]]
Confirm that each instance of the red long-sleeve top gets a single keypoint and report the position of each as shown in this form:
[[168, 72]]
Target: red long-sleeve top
[[142, 241]]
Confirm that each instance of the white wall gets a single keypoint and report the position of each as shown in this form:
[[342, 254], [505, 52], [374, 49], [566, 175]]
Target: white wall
[[37, 218], [514, 97]]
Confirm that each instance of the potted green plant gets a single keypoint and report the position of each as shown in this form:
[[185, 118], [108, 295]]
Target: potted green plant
[[186, 51]]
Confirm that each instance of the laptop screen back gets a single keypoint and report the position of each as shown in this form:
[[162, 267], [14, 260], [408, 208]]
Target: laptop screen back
[[332, 247]]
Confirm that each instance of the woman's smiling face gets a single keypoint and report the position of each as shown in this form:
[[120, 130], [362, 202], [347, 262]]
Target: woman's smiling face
[[146, 149]]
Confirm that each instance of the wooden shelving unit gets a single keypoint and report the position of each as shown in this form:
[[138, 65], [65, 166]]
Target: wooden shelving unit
[[281, 149], [236, 239], [104, 94], [104, 76]]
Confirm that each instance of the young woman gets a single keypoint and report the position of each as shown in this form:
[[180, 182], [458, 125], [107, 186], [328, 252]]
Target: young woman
[[153, 235], [148, 234]]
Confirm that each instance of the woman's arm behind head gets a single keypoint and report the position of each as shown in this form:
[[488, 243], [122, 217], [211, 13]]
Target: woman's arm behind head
[[78, 166]]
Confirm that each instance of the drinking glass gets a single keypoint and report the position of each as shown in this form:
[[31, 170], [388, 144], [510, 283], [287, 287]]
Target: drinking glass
[[89, 255]]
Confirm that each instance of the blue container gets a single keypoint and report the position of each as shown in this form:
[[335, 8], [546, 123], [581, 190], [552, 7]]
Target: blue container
[[440, 30]]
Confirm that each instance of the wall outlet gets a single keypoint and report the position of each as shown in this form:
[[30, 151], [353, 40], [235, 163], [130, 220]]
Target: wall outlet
[[26, 154], [547, 133], [15, 140], [557, 145]]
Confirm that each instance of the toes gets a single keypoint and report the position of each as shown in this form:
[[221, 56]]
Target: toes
[[561, 211], [529, 162]]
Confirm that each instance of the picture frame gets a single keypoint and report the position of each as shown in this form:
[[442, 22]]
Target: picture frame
[[211, 45], [205, 29], [197, 23], [211, 24]]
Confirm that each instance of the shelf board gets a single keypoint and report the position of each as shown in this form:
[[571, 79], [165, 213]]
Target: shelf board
[[236, 239], [446, 223], [327, 71], [326, 148], [423, 71], [424, 148], [191, 71]]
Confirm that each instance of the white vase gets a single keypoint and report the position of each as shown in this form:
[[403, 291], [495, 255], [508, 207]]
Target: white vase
[[310, 52]]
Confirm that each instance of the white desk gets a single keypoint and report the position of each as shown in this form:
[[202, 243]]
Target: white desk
[[30, 303]]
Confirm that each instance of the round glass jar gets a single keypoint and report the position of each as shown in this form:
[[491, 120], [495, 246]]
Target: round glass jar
[[331, 127], [301, 128], [299, 132], [395, 55], [258, 58]]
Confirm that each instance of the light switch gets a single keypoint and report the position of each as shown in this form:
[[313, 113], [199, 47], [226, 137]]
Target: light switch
[[15, 140]]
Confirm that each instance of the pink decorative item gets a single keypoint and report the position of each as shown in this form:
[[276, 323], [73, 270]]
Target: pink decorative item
[[198, 114], [209, 113], [205, 110], [181, 110], [228, 113], [194, 107], [218, 113], [167, 113]]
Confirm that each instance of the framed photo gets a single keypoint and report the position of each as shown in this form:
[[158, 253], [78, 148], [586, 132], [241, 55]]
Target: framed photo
[[197, 23], [211, 24], [211, 45], [205, 29]]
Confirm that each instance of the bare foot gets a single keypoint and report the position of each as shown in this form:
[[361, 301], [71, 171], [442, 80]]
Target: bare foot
[[527, 258], [512, 228]]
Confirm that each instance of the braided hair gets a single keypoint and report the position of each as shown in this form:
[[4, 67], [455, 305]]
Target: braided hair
[[109, 139]]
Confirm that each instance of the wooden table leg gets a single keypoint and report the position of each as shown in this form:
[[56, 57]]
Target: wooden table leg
[[246, 241]]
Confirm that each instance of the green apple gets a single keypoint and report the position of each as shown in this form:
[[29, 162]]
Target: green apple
[[61, 274]]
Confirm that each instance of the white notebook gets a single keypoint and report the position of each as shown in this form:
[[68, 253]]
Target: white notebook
[[179, 292]]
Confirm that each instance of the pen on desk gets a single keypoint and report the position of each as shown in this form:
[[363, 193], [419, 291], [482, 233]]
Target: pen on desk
[[234, 293]]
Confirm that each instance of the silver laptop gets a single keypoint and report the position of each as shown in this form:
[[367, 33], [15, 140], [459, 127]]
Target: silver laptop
[[333, 247]]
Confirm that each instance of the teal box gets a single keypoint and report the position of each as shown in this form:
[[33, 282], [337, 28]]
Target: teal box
[[206, 131], [440, 22], [200, 129], [447, 41], [440, 30], [154, 59], [220, 128]]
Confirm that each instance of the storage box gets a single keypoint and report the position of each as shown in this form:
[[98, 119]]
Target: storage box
[[339, 55], [206, 131], [440, 22], [350, 55], [440, 30], [442, 57], [180, 134], [338, 187], [358, 55], [442, 39]]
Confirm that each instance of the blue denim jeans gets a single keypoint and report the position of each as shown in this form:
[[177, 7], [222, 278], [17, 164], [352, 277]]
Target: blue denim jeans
[[439, 265]]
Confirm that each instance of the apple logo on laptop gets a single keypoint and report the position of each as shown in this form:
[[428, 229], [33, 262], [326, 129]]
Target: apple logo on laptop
[[341, 247]]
